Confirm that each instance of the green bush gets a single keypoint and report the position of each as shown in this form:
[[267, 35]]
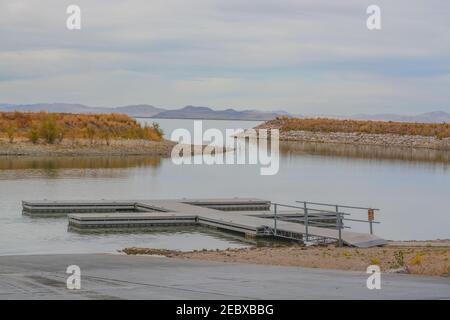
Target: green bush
[[33, 135], [49, 130], [10, 132], [399, 258]]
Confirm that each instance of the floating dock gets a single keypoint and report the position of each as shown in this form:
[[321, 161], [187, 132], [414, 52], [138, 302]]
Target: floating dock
[[247, 216]]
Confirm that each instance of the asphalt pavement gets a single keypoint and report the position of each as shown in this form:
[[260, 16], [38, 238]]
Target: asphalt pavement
[[115, 276]]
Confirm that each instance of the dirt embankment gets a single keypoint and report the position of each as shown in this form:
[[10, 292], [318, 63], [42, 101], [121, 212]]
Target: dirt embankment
[[424, 258], [85, 148]]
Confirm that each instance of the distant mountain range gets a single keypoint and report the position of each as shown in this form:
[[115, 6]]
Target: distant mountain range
[[193, 112], [141, 110], [148, 111]]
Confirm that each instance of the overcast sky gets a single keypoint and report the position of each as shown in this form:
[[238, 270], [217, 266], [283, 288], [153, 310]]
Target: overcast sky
[[302, 56]]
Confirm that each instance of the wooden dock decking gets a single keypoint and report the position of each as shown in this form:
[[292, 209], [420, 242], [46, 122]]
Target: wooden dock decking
[[243, 215]]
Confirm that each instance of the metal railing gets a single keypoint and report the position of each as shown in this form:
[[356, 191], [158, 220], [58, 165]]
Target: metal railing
[[313, 212]]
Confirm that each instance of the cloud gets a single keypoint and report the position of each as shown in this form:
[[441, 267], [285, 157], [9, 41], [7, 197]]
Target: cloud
[[303, 56]]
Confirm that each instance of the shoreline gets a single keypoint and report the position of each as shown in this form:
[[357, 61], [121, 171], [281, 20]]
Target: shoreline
[[429, 258], [365, 139], [359, 138], [83, 148], [161, 148]]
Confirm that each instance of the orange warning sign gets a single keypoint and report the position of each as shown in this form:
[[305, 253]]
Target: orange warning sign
[[370, 215]]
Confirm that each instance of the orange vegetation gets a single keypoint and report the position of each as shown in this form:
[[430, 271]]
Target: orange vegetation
[[54, 127], [438, 130]]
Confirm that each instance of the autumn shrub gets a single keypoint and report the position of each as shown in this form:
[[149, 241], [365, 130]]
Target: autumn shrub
[[90, 133], [49, 130], [55, 127], [106, 136], [33, 134], [61, 134], [10, 131], [399, 258], [417, 259], [438, 130], [157, 128]]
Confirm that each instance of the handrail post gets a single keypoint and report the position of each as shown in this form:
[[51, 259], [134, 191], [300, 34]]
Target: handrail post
[[305, 209], [275, 217], [337, 220], [339, 225]]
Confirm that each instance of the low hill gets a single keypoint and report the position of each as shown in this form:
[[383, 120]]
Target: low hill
[[139, 110], [428, 117], [193, 112]]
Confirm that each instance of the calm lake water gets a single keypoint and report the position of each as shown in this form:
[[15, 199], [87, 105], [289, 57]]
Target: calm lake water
[[411, 187]]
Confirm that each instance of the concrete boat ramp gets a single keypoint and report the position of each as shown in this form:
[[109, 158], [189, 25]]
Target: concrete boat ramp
[[247, 216]]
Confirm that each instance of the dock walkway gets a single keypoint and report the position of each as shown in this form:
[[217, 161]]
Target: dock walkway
[[243, 215]]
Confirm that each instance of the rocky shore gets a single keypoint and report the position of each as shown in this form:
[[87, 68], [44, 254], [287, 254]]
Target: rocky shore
[[356, 138]]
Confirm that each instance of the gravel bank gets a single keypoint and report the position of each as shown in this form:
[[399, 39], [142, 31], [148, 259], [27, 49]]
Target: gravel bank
[[85, 148]]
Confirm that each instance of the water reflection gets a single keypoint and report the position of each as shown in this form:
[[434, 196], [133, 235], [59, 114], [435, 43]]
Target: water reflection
[[288, 148], [237, 238], [14, 167]]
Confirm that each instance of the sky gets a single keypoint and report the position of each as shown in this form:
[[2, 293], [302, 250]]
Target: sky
[[301, 56]]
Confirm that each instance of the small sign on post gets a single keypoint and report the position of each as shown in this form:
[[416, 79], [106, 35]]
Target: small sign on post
[[370, 217]]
